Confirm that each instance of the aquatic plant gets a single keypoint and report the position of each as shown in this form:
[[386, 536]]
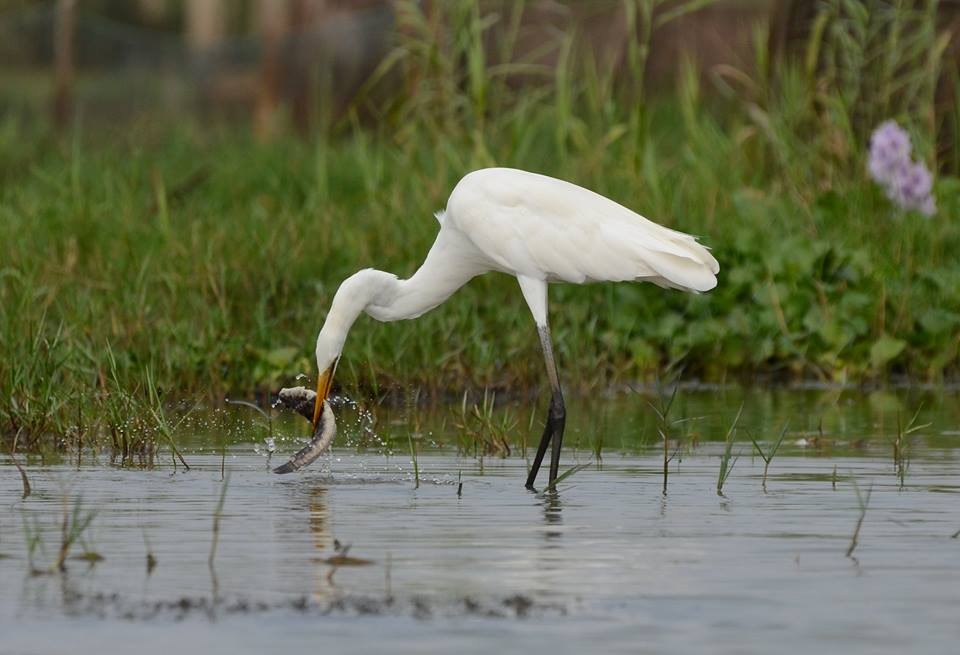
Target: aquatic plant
[[596, 444], [414, 459], [73, 525], [863, 502], [727, 460], [123, 416], [664, 425], [901, 453], [23, 474], [908, 184], [484, 429], [33, 540], [573, 470], [74, 522], [768, 456], [162, 424], [215, 531]]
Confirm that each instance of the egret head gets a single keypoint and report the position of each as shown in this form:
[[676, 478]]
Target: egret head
[[355, 295]]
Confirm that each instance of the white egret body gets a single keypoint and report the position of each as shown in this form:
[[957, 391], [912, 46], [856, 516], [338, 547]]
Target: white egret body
[[537, 228]]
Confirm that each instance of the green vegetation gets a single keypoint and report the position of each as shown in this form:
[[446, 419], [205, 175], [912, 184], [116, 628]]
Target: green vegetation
[[74, 523], [482, 431], [217, 516], [150, 263], [771, 452], [901, 446], [863, 502], [727, 460]]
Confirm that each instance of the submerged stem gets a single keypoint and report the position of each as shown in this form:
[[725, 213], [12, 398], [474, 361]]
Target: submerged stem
[[217, 515]]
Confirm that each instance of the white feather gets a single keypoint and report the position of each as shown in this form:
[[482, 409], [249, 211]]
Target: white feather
[[535, 227], [548, 229]]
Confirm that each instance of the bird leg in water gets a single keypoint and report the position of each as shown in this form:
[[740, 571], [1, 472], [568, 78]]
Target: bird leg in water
[[302, 400], [556, 417]]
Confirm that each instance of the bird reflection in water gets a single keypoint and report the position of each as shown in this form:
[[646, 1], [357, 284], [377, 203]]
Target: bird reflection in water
[[552, 514], [331, 554], [318, 522]]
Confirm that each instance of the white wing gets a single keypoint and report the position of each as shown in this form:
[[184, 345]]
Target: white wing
[[548, 229]]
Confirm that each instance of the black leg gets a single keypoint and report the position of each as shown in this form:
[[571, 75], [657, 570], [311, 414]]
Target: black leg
[[556, 416], [548, 431]]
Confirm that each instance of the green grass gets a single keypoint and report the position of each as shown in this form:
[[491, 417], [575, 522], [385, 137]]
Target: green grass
[[147, 263], [727, 460], [771, 452]]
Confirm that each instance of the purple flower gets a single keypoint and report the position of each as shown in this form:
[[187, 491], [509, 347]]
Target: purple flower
[[889, 149], [909, 184]]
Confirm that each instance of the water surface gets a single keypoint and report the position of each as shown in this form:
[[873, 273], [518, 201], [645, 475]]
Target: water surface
[[607, 561]]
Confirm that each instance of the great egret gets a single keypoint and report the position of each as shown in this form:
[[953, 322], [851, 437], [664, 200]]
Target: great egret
[[535, 227]]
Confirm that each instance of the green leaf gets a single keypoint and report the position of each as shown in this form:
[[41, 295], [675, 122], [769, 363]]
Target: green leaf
[[280, 357], [939, 321], [566, 474], [885, 350], [833, 334]]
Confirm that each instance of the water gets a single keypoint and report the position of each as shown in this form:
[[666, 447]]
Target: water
[[606, 563]]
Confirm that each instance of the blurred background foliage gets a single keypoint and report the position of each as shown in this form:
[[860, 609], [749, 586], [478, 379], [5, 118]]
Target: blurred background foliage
[[183, 184]]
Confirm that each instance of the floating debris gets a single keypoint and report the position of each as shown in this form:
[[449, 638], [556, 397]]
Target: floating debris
[[342, 557], [88, 556]]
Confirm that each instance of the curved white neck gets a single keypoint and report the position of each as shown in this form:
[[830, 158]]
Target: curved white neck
[[355, 294], [449, 265]]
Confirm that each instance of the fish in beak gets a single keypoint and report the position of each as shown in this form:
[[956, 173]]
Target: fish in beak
[[303, 401]]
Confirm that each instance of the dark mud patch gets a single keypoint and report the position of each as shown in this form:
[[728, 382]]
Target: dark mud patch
[[116, 606]]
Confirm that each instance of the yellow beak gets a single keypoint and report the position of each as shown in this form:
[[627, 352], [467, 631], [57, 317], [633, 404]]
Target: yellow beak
[[324, 382]]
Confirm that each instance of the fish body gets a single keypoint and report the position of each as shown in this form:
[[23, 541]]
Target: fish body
[[302, 400]]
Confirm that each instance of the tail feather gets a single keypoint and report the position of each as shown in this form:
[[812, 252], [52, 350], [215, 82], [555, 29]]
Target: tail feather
[[682, 273], [672, 259]]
